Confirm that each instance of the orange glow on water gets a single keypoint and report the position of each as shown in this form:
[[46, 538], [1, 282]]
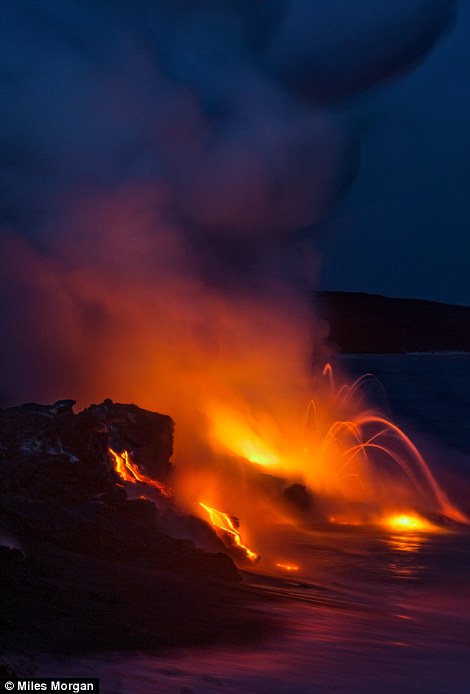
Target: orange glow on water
[[404, 523], [408, 542]]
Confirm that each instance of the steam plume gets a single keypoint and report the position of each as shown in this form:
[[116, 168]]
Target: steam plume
[[160, 159]]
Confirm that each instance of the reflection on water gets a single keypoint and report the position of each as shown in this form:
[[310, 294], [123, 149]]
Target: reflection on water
[[406, 564], [406, 543], [385, 611]]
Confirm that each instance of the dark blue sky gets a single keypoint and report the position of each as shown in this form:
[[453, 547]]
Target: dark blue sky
[[403, 229], [248, 120], [163, 158]]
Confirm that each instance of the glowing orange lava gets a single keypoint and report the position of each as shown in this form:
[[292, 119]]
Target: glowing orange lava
[[338, 449], [225, 523], [341, 520], [129, 472], [354, 465], [408, 523], [288, 567], [248, 440]]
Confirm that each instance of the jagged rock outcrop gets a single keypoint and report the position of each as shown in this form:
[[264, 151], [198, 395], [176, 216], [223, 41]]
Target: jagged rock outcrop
[[67, 530]]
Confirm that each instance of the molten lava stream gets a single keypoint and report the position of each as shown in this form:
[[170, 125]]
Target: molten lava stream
[[129, 472], [226, 526]]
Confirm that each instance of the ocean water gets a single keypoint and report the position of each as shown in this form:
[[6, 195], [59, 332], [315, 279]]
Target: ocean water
[[428, 393], [368, 611]]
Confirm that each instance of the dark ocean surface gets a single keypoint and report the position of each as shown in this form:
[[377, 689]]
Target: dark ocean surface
[[429, 393]]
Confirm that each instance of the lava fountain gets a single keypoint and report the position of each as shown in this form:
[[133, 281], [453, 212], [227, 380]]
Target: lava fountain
[[341, 463]]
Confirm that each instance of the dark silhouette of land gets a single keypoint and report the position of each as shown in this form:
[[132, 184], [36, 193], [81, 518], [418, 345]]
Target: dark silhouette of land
[[371, 324]]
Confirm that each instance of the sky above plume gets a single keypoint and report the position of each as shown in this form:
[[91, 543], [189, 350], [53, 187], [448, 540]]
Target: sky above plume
[[172, 166], [403, 229], [254, 118]]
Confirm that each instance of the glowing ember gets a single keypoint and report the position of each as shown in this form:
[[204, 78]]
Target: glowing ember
[[406, 523], [129, 472], [288, 567], [226, 525], [340, 520], [389, 440]]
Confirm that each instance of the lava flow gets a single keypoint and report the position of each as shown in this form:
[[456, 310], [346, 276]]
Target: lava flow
[[224, 524], [287, 567], [129, 472], [228, 526]]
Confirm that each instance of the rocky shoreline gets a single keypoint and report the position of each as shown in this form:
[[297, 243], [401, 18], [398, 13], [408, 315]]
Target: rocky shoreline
[[86, 569]]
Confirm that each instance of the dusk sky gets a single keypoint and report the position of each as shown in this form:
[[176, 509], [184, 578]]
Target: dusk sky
[[403, 229], [170, 166]]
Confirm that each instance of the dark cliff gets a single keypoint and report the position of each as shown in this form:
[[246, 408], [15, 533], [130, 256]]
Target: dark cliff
[[369, 323]]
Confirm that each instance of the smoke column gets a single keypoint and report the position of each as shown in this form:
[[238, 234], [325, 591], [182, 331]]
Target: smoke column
[[161, 164]]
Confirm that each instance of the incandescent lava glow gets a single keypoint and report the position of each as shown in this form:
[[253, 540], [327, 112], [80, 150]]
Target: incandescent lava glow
[[129, 472], [409, 523], [341, 450], [279, 467], [240, 438], [256, 454], [226, 525], [288, 567]]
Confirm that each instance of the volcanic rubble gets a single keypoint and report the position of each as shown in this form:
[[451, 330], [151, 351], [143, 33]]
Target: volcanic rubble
[[84, 568]]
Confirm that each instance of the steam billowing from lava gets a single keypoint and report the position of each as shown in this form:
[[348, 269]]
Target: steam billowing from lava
[[161, 160], [156, 157]]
